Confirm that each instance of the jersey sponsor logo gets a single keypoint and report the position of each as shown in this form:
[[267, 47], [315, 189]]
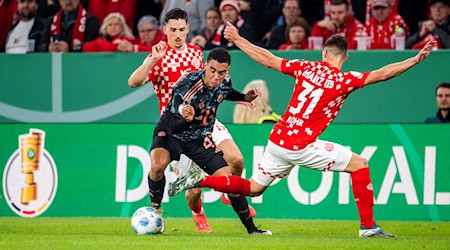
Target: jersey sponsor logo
[[30, 178], [173, 65]]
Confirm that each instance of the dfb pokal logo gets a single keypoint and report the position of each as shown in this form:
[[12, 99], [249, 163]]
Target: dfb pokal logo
[[30, 179]]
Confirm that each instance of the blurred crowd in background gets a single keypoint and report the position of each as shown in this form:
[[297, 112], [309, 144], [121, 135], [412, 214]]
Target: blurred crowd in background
[[136, 25]]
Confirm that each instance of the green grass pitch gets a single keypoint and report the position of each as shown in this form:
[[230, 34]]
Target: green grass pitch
[[116, 233]]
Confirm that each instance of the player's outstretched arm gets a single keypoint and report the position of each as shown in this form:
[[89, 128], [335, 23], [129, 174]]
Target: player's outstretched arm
[[392, 70], [258, 54], [140, 75]]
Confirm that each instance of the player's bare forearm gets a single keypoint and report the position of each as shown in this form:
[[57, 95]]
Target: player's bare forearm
[[392, 70], [139, 76], [260, 55]]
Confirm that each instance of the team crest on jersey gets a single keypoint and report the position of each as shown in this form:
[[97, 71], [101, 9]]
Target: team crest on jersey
[[195, 62], [329, 147], [220, 98]]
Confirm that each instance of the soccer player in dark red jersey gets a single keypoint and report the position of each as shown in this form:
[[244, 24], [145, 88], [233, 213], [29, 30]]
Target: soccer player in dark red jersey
[[163, 67], [320, 90]]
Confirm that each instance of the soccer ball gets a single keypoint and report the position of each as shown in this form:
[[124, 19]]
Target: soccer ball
[[146, 221]]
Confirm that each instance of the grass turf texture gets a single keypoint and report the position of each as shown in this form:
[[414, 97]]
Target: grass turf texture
[[116, 233]]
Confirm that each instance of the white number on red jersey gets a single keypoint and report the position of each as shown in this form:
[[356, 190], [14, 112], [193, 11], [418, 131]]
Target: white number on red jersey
[[302, 98]]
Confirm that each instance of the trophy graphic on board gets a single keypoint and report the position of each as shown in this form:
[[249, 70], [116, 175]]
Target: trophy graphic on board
[[31, 146]]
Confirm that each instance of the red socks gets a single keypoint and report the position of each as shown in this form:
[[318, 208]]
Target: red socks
[[196, 209], [363, 193], [227, 184]]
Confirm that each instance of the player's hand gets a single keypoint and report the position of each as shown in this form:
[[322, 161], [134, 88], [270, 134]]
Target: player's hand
[[230, 33], [425, 51], [188, 112], [251, 95], [159, 50]]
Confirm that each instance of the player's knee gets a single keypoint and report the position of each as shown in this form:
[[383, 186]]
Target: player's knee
[[196, 192], [236, 162], [361, 162], [256, 189], [159, 165], [193, 195]]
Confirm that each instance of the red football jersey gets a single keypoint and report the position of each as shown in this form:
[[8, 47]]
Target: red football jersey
[[170, 68], [319, 92]]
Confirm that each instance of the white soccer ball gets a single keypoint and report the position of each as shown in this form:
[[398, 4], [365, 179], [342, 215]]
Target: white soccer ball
[[146, 221]]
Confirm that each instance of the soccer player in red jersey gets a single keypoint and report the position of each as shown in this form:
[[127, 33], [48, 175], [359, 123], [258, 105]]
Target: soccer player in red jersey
[[163, 67], [320, 90]]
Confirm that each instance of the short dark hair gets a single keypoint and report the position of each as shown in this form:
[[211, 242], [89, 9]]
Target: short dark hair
[[338, 44], [219, 54], [339, 2], [175, 14], [443, 85]]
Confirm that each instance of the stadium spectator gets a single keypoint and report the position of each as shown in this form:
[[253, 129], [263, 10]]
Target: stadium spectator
[[230, 12], [291, 11], [115, 35], [48, 8], [297, 34], [184, 57], [321, 89], [7, 11], [196, 12], [341, 22], [438, 28], [384, 25], [413, 11], [149, 35], [261, 14], [25, 34], [442, 103], [213, 21], [102, 8], [66, 32], [261, 111]]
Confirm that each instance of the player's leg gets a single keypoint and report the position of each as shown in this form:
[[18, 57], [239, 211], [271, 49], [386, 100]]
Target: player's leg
[[206, 155], [232, 155], [329, 156], [193, 196], [363, 192], [238, 202], [160, 158], [272, 167], [164, 149]]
